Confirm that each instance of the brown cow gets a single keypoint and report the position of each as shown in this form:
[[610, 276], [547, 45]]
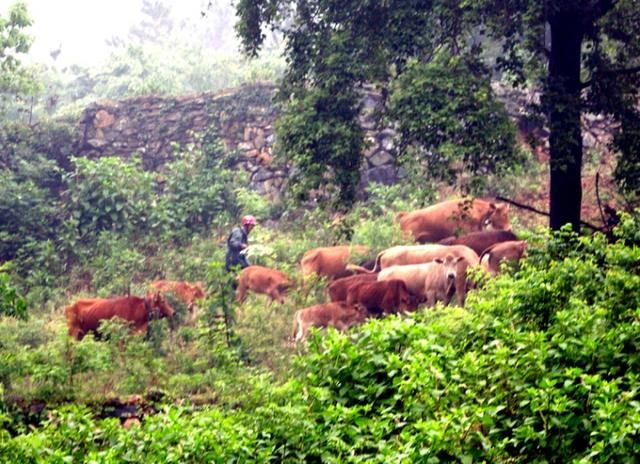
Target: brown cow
[[329, 261], [337, 290], [71, 312], [480, 241], [186, 292], [505, 251], [338, 315], [262, 280], [138, 311], [438, 272], [453, 216], [416, 254], [388, 296]]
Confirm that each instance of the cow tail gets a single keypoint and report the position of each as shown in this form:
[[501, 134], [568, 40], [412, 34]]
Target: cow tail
[[363, 270], [485, 259], [400, 215]]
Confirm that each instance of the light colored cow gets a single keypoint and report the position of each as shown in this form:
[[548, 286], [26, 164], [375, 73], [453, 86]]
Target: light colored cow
[[434, 281], [505, 251]]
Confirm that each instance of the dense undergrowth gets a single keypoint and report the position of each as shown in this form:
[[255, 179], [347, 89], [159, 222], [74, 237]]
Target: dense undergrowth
[[542, 365]]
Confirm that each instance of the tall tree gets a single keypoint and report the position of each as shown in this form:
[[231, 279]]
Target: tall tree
[[585, 55], [14, 41]]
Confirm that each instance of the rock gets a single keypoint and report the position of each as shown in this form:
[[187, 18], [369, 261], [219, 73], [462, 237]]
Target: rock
[[103, 119], [258, 142], [261, 175], [588, 140], [97, 143], [387, 142], [383, 174], [379, 158], [245, 146]]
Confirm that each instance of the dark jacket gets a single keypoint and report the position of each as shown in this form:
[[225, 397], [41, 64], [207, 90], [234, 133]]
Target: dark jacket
[[237, 238]]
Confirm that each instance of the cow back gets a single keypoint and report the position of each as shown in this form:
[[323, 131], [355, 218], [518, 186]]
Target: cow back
[[130, 308], [480, 241], [337, 290]]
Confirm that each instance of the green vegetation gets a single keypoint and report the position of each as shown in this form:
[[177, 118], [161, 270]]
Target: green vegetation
[[582, 55], [541, 366]]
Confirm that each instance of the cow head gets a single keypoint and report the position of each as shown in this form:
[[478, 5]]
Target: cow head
[[497, 217], [159, 305], [406, 301], [450, 264]]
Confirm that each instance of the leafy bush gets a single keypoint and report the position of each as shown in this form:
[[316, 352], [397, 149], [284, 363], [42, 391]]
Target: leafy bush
[[427, 102], [11, 304], [110, 194]]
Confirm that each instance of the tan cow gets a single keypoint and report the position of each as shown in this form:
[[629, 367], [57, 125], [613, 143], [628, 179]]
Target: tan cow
[[416, 254], [338, 315], [436, 280], [505, 251], [263, 280], [451, 217], [329, 261], [186, 292]]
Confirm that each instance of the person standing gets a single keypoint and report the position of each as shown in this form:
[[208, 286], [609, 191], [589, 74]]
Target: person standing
[[237, 242]]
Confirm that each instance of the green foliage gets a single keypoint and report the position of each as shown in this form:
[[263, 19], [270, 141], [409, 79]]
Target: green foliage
[[448, 109], [195, 190], [319, 134], [116, 265], [541, 366], [586, 62], [11, 304], [31, 163], [110, 194], [14, 79]]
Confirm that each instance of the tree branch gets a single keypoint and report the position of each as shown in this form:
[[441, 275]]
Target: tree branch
[[601, 8], [544, 213], [613, 72]]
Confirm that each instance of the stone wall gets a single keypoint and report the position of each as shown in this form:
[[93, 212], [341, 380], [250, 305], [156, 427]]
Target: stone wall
[[151, 126]]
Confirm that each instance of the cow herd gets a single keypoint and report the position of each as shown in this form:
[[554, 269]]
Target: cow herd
[[468, 232]]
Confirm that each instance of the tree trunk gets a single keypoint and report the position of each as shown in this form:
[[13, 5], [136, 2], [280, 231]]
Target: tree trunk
[[562, 99]]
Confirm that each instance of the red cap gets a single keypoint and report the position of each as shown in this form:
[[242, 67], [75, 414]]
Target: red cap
[[248, 220]]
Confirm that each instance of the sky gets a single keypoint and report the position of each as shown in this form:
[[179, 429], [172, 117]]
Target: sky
[[81, 27]]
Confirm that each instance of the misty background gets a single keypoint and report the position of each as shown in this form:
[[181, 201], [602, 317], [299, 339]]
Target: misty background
[[87, 51]]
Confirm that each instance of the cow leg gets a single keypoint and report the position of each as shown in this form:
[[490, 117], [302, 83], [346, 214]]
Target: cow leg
[[431, 299], [274, 295], [241, 293], [194, 313], [141, 328], [461, 289]]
